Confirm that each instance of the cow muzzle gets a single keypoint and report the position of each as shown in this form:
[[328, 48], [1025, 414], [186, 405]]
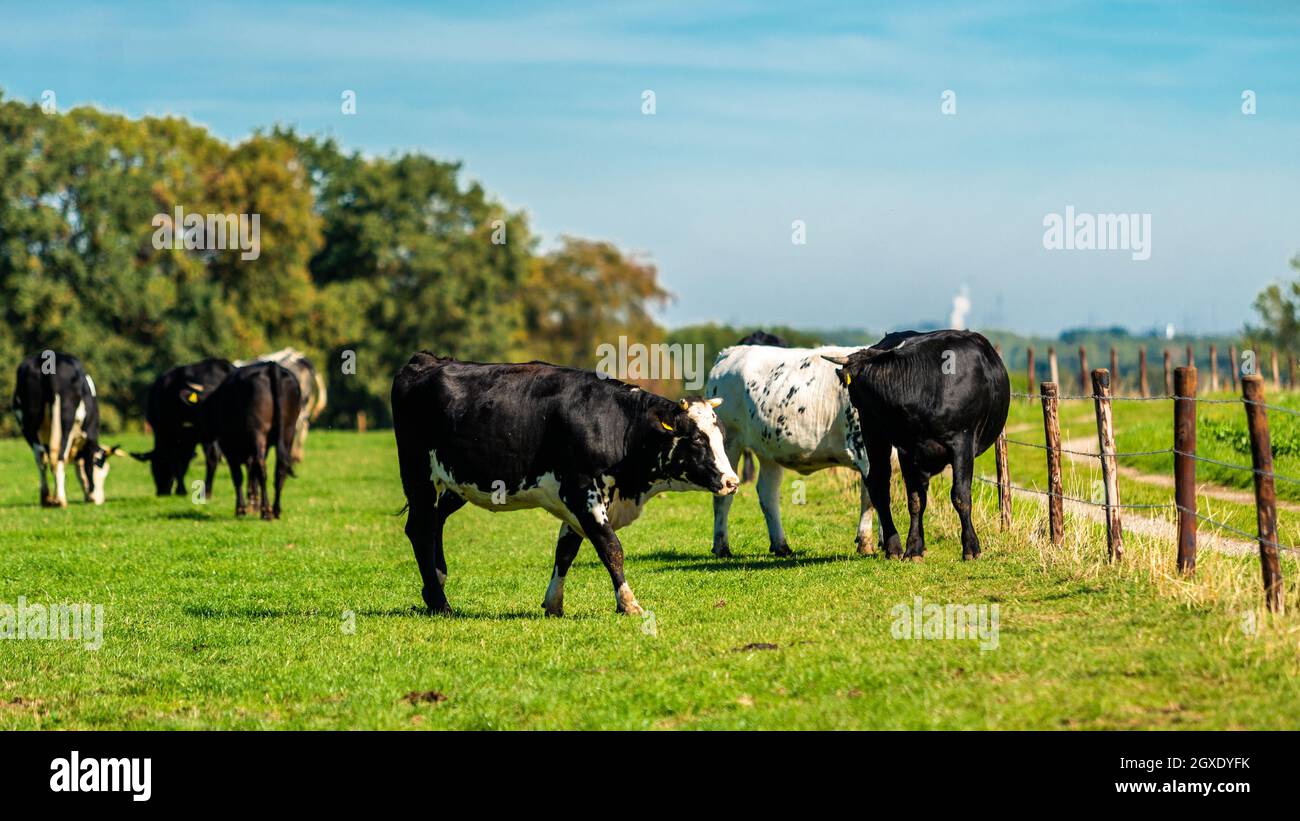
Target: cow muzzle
[[730, 482]]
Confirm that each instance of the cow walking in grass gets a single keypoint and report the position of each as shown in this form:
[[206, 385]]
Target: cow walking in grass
[[939, 399], [591, 451], [253, 410], [787, 406]]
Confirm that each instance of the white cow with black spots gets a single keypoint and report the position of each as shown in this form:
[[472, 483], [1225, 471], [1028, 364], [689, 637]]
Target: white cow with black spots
[[787, 406]]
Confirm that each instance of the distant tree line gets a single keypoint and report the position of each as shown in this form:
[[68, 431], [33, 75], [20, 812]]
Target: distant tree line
[[362, 261]]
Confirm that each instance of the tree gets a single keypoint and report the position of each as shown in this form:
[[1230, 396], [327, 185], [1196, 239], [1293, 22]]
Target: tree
[[1278, 307]]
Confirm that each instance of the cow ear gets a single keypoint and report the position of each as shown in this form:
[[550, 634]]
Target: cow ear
[[663, 423]]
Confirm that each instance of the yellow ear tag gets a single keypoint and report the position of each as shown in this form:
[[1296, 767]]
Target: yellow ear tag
[[848, 379], [666, 426], [194, 398]]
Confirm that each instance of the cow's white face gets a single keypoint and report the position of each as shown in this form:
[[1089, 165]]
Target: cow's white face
[[99, 473], [697, 455]]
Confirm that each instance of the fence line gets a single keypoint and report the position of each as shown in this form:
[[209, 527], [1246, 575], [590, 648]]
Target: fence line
[[1181, 389]]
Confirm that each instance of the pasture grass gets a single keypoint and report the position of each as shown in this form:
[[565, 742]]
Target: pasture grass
[[213, 622]]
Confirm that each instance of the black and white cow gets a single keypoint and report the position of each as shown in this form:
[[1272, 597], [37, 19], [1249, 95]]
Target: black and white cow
[[55, 403], [590, 451], [759, 337], [940, 399], [788, 407], [311, 386], [253, 410], [172, 411]]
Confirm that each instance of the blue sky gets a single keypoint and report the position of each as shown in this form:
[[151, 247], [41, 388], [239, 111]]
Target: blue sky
[[823, 112]]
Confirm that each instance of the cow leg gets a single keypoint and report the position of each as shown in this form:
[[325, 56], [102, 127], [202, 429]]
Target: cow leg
[[769, 499], [38, 451], [566, 548], [722, 511], [210, 458], [963, 471], [917, 482], [83, 479], [448, 503], [282, 458], [589, 511], [257, 474], [237, 476], [878, 488], [866, 547], [60, 483]]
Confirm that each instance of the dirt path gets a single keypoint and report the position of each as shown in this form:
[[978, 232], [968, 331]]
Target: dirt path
[[1223, 494]]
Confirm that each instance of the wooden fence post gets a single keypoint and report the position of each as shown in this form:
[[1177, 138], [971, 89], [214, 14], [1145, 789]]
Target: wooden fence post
[[1144, 387], [361, 421], [1191, 356], [1051, 366], [1214, 369], [1114, 368], [1052, 437], [1233, 365], [1083, 371], [1004, 479], [1169, 377], [1290, 371], [1185, 466], [1029, 369], [1252, 390], [1109, 468], [1277, 380]]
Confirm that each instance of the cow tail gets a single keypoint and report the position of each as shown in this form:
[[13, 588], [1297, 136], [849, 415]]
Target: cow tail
[[283, 447], [747, 470]]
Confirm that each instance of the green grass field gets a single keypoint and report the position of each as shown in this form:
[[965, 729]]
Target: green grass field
[[213, 622]]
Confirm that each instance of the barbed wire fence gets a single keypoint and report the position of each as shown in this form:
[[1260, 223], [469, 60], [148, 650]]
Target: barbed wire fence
[[1181, 390]]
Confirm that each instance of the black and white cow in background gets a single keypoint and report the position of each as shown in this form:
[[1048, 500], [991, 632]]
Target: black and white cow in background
[[253, 410], [789, 408], [940, 399], [760, 337], [590, 451], [56, 407], [311, 387], [172, 411]]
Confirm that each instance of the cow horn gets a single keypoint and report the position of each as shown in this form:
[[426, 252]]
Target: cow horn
[[715, 401], [117, 450], [836, 360], [684, 405], [196, 386]]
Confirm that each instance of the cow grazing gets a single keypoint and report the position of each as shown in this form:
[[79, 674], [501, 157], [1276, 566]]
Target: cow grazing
[[788, 407], [172, 411], [940, 399], [590, 451], [311, 386], [251, 411], [56, 407]]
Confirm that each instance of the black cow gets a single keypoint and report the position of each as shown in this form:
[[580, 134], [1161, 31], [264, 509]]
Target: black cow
[[589, 450], [254, 409], [56, 407], [940, 399], [172, 410]]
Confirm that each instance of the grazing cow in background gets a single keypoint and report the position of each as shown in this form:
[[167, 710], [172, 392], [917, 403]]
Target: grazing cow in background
[[940, 399], [311, 386], [787, 406], [251, 411], [757, 338], [56, 407], [590, 451], [172, 410]]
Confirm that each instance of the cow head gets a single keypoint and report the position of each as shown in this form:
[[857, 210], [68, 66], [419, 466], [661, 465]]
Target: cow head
[[97, 471], [692, 448], [167, 462], [848, 367]]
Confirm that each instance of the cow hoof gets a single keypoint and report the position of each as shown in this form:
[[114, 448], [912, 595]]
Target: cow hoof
[[553, 612], [241, 511], [631, 609], [782, 551], [723, 552], [866, 549], [969, 557], [915, 557], [48, 501]]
